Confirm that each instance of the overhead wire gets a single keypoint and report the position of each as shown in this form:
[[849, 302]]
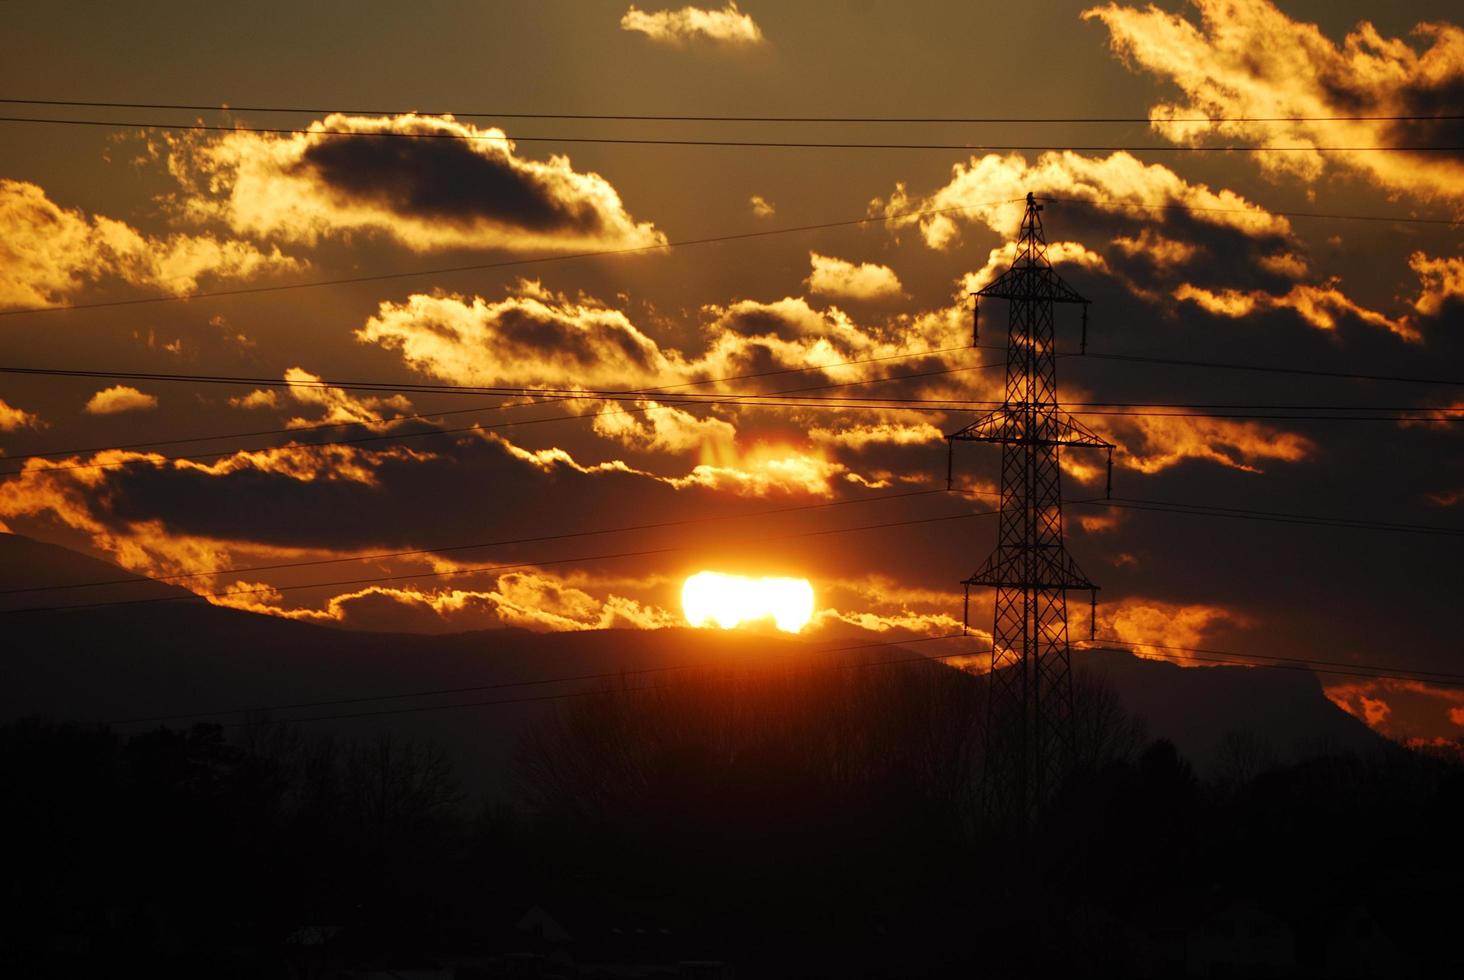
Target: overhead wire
[[750, 144], [1384, 672], [1360, 670], [661, 117], [1199, 510], [484, 569], [515, 393], [500, 543], [500, 264], [1275, 517], [541, 681]]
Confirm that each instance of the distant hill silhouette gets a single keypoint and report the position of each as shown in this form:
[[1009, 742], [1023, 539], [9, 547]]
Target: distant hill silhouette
[[114, 664]]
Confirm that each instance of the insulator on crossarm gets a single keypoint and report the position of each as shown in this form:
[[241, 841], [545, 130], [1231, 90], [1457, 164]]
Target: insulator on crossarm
[[966, 612], [975, 321], [950, 464], [1108, 487]]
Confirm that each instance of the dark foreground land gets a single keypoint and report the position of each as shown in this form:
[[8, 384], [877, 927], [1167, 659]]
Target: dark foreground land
[[742, 823]]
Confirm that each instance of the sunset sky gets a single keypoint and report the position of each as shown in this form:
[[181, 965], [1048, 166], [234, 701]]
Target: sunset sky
[[1222, 264]]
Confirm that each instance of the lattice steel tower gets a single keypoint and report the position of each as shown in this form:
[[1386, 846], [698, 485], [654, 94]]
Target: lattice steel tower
[[1029, 722]]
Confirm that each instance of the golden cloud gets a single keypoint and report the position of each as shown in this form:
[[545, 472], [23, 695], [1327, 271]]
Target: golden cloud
[[531, 600], [1440, 280], [72, 492], [120, 398], [861, 436], [258, 398], [48, 252], [1151, 625], [1400, 708], [1319, 306], [338, 404], [761, 206], [663, 428], [427, 182], [1150, 443], [1247, 60], [1110, 183], [726, 26], [865, 280], [12, 418], [534, 338]]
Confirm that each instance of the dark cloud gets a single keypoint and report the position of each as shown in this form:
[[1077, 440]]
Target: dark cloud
[[445, 180]]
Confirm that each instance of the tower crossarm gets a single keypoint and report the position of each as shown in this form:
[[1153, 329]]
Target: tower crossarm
[[1030, 282], [1037, 425], [1052, 569]]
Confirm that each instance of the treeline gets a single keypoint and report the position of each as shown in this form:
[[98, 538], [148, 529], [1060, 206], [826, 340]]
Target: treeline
[[819, 822]]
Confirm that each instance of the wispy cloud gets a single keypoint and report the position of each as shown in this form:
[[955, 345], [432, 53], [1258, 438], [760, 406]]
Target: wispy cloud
[[726, 26]]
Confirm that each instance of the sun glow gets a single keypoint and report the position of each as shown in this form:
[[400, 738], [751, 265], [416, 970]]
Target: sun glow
[[731, 600]]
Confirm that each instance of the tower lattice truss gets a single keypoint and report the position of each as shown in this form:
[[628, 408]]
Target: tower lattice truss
[[1029, 723]]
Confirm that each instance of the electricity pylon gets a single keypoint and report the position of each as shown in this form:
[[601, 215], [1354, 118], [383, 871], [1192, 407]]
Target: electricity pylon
[[1029, 720]]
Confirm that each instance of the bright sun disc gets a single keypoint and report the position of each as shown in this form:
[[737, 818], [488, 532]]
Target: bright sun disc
[[730, 600]]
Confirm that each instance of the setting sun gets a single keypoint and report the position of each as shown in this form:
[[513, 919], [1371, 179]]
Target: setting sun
[[732, 600]]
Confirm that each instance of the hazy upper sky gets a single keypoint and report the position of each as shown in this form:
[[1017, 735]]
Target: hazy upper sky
[[119, 212]]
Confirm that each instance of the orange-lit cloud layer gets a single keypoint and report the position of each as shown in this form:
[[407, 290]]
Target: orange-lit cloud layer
[[726, 26], [337, 404], [1440, 280], [1152, 624], [12, 418], [848, 280], [1319, 306], [426, 182], [1402, 709], [991, 189], [532, 600], [1152, 443], [1230, 257], [535, 337], [761, 206], [120, 398], [48, 253], [73, 495], [1246, 58], [532, 338]]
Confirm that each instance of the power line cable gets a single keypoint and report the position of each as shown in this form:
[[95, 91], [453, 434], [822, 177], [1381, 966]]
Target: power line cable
[[1266, 368], [1231, 659], [484, 569], [502, 264], [1199, 510], [1329, 216], [539, 681], [1281, 663], [623, 117], [1306, 661], [501, 543], [571, 395], [708, 240], [1276, 517], [747, 144], [807, 404]]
